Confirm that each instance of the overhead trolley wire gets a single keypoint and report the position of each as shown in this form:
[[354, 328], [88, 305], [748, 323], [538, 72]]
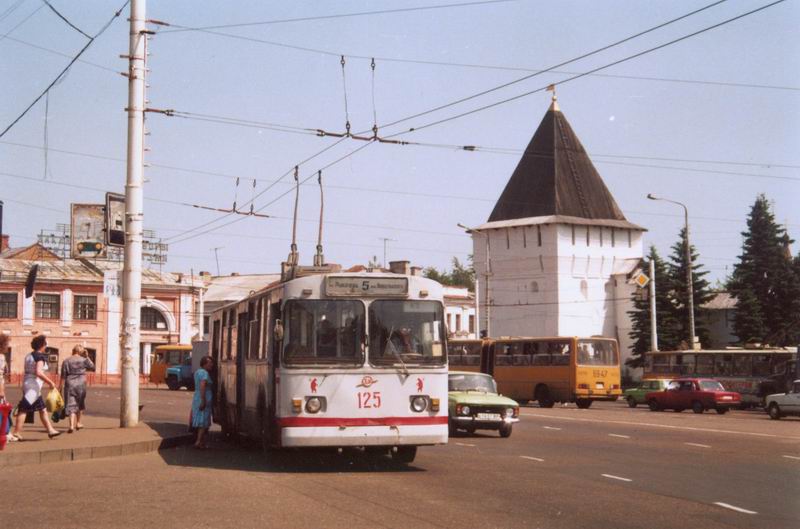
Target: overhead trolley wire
[[66, 69], [584, 74], [62, 17]]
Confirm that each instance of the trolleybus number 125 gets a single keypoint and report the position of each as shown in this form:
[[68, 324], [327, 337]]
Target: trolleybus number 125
[[369, 399]]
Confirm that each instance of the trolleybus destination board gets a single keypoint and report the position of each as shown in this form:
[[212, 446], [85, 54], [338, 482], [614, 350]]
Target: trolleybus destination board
[[366, 286]]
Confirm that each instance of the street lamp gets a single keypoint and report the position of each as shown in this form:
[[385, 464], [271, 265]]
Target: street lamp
[[689, 287], [477, 289]]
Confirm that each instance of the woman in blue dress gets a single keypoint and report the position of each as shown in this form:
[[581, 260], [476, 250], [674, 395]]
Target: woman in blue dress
[[201, 404]]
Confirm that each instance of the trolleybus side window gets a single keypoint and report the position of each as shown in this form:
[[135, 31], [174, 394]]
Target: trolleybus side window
[[406, 332], [597, 353], [705, 364], [323, 331]]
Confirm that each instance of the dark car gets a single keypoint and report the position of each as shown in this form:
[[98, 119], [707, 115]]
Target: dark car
[[699, 394]]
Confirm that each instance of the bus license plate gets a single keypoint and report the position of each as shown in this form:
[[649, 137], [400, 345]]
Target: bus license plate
[[488, 416], [598, 385]]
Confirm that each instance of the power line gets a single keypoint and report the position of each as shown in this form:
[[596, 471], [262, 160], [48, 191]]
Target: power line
[[66, 69], [20, 23], [62, 54], [578, 76], [179, 28], [13, 7], [62, 17]]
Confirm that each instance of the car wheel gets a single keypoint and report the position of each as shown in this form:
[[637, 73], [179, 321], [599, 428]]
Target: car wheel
[[583, 403], [404, 454], [774, 411], [678, 410], [654, 405], [698, 407], [173, 384], [722, 411], [505, 430], [631, 402]]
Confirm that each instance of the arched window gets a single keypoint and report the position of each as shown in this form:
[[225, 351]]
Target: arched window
[[153, 320]]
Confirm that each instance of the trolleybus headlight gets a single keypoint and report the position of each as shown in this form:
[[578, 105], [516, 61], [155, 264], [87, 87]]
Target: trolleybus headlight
[[419, 403], [313, 405]]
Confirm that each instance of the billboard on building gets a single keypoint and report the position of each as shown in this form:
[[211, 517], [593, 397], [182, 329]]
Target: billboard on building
[[87, 230]]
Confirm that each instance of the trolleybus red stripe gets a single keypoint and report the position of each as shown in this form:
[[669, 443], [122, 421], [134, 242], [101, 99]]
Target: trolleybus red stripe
[[359, 421]]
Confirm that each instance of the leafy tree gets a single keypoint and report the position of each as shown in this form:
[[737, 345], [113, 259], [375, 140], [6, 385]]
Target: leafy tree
[[701, 291], [462, 274], [766, 281], [668, 327]]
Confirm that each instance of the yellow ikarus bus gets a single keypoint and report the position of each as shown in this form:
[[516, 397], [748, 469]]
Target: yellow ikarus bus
[[550, 370]]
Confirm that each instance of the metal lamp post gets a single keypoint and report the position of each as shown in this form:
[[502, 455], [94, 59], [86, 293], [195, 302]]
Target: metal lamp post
[[689, 286], [487, 303]]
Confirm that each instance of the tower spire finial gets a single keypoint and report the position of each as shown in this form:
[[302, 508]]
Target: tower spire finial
[[554, 104]]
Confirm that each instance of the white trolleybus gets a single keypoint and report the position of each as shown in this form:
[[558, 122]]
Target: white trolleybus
[[335, 360]]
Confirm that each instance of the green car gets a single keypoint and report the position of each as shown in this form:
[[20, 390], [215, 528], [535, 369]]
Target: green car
[[474, 404], [635, 396]]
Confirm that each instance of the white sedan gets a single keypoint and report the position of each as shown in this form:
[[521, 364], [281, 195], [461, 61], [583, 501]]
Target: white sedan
[[783, 404]]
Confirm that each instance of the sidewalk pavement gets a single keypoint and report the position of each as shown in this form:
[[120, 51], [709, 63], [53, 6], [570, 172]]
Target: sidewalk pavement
[[100, 437]]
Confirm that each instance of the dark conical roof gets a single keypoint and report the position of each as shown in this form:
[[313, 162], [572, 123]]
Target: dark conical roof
[[555, 177]]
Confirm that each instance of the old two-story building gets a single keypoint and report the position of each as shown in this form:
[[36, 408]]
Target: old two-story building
[[78, 301]]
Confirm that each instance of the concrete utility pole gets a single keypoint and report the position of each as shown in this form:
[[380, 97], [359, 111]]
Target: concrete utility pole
[[487, 264], [688, 249], [385, 240], [653, 319], [134, 197]]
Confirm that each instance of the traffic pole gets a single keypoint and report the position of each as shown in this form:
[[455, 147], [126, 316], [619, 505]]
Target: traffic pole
[[132, 267], [653, 319]]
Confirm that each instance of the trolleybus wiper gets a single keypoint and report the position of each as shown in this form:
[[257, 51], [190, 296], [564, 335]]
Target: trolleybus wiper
[[395, 353]]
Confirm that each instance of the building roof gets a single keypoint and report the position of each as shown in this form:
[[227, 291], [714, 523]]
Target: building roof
[[720, 301], [236, 287], [559, 219], [33, 252], [555, 177]]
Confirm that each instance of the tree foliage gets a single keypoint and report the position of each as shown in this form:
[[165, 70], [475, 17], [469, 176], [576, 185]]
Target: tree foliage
[[766, 282], [701, 291], [668, 327], [462, 274]]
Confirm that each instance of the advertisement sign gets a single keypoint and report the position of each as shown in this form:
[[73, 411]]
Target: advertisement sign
[[87, 231], [366, 286], [115, 219]]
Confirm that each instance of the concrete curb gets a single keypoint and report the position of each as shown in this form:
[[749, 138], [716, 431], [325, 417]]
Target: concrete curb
[[60, 455]]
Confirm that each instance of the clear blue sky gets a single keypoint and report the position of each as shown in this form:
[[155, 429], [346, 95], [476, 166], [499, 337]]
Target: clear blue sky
[[753, 129]]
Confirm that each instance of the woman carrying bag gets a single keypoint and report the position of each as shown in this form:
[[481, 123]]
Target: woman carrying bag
[[73, 375], [35, 377]]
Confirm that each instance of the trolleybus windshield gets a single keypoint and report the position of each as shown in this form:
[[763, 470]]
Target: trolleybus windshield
[[323, 332], [406, 332], [597, 353]]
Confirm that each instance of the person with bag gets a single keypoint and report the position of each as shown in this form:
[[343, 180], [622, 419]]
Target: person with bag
[[35, 377], [73, 376]]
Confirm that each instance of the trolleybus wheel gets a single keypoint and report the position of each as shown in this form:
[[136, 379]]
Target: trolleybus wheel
[[631, 402], [505, 430], [583, 403], [698, 407], [404, 454]]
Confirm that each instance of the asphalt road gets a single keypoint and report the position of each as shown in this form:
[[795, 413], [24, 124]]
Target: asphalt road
[[608, 466]]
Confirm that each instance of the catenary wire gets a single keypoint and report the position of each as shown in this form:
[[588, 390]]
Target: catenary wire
[[62, 17]]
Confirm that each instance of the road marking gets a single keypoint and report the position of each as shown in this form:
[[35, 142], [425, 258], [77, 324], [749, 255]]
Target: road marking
[[610, 476], [792, 457], [618, 435], [550, 428], [698, 444], [655, 425], [533, 458], [464, 444], [734, 507]]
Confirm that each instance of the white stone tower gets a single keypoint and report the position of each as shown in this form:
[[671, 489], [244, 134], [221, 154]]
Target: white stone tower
[[560, 249]]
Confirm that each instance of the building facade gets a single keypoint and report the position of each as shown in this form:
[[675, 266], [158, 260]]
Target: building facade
[[77, 301], [557, 251]]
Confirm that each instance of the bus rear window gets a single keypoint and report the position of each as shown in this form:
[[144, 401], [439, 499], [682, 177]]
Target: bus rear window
[[597, 353], [323, 332]]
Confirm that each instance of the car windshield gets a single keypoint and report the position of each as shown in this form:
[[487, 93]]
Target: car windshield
[[323, 332], [406, 332], [597, 353], [471, 382], [711, 385]]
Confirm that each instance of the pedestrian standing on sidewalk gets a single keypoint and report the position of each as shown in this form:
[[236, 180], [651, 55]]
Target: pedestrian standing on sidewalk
[[35, 377], [73, 375], [201, 403], [3, 366]]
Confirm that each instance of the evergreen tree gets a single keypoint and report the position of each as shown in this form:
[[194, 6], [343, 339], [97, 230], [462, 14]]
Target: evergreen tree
[[462, 275], [701, 292], [766, 282], [668, 328]]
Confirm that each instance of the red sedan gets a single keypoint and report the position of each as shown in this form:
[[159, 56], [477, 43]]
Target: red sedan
[[699, 394]]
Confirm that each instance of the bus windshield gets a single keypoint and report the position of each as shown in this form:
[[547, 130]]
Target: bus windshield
[[323, 332], [406, 332], [597, 353]]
